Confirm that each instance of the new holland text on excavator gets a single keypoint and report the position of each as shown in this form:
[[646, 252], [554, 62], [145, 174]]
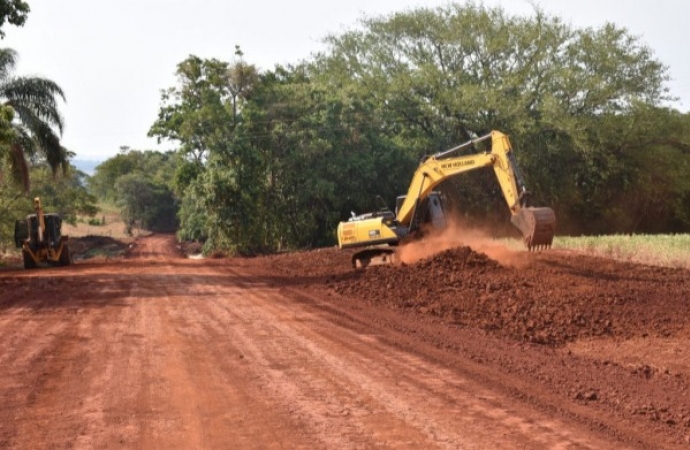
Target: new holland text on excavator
[[377, 231]]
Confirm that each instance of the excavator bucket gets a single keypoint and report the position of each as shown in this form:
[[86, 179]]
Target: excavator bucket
[[537, 225]]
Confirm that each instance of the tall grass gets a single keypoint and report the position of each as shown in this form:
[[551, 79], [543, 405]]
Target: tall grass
[[660, 250]]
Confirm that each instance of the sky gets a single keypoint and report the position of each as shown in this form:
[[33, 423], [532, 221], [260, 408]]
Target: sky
[[112, 59]]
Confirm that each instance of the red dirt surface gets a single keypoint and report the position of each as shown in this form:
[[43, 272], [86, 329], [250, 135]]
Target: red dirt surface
[[610, 335], [549, 350]]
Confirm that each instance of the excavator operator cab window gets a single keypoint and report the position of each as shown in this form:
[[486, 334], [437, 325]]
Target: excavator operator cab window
[[388, 216], [398, 203], [436, 214]]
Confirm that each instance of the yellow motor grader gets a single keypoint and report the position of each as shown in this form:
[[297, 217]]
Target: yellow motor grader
[[41, 240]]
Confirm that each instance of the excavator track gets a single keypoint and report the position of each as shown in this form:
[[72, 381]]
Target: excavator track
[[375, 256]]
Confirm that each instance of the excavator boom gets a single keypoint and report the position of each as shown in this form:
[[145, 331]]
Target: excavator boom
[[537, 225]]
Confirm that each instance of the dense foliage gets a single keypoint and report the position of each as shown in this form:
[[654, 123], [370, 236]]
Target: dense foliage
[[139, 183], [66, 195], [13, 12], [30, 148], [275, 160]]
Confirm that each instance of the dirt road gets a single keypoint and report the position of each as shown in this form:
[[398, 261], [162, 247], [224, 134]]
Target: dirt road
[[159, 351]]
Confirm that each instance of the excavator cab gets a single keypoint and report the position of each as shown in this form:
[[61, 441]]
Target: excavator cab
[[430, 210]]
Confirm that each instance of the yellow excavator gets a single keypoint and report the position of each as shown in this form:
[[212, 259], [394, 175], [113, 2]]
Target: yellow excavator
[[377, 231], [40, 238]]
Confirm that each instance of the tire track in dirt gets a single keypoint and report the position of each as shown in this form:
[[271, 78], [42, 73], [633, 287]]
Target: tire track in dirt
[[509, 325], [202, 398], [52, 401], [158, 352], [296, 342]]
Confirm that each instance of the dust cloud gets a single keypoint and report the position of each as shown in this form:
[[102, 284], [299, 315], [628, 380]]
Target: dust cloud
[[456, 235]]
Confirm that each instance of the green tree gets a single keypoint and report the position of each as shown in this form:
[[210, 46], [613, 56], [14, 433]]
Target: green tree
[[159, 167], [442, 76], [297, 160], [276, 162], [66, 195], [644, 159], [102, 183], [149, 202], [29, 120], [13, 12], [136, 198], [201, 113]]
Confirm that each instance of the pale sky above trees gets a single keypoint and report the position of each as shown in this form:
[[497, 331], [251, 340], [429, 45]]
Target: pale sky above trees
[[113, 58]]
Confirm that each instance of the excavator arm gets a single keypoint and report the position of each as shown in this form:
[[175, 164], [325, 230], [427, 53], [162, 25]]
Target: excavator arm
[[536, 224]]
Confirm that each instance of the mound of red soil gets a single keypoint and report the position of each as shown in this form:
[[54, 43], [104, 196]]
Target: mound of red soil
[[552, 298], [93, 246]]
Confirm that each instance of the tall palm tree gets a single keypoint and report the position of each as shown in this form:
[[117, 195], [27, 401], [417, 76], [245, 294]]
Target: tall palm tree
[[30, 123]]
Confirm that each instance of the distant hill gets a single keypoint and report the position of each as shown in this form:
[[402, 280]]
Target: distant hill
[[88, 166]]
